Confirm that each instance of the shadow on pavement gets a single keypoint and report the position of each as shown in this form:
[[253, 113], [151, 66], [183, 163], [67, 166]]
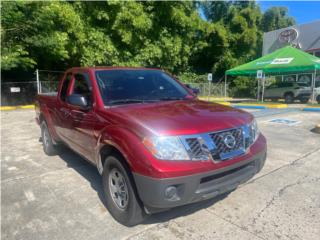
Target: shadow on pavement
[[90, 173]]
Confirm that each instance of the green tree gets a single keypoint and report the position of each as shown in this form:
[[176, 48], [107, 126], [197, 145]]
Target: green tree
[[237, 34], [170, 35], [275, 18]]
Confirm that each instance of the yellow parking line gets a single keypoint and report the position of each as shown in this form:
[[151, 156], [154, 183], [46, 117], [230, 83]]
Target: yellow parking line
[[6, 108], [280, 105], [27, 107], [223, 103]]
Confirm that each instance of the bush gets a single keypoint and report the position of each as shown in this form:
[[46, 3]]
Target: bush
[[243, 87], [191, 77]]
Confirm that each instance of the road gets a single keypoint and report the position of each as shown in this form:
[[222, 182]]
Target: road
[[60, 197]]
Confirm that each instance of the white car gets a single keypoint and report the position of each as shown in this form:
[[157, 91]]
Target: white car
[[290, 91]]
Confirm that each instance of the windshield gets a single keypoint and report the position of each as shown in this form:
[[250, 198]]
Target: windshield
[[132, 85]]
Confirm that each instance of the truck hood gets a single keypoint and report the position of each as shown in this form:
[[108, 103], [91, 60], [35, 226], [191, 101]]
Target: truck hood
[[178, 117]]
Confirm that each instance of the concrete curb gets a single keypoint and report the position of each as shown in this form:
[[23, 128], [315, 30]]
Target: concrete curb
[[249, 106], [311, 109], [8, 108]]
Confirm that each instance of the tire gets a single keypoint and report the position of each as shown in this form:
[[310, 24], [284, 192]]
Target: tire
[[304, 100], [47, 143], [288, 98], [126, 208]]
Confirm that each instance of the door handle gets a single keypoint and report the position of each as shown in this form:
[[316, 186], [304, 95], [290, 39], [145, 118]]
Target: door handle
[[78, 115]]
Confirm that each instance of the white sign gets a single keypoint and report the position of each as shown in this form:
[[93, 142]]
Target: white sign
[[209, 77], [14, 89], [282, 61], [259, 74], [263, 63]]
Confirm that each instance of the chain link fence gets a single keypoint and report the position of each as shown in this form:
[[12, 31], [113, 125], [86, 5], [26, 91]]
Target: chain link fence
[[210, 89], [24, 91]]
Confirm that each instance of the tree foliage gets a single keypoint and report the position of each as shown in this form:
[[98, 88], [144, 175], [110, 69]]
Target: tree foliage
[[169, 35]]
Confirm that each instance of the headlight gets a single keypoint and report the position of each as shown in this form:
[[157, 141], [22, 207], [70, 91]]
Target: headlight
[[254, 130], [166, 148]]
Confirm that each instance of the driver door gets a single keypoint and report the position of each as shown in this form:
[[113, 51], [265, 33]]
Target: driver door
[[83, 121]]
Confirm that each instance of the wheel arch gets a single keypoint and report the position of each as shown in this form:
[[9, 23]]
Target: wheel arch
[[288, 93], [106, 150]]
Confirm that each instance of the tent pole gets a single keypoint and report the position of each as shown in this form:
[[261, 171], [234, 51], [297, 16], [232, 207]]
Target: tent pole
[[258, 92], [263, 83], [313, 85], [225, 87]]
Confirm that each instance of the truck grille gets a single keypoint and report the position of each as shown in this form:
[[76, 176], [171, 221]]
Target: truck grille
[[220, 145], [195, 147]]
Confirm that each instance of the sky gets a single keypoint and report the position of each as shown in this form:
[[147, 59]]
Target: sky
[[302, 11]]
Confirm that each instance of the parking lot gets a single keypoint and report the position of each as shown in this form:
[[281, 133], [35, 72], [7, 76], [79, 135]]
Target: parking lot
[[60, 197]]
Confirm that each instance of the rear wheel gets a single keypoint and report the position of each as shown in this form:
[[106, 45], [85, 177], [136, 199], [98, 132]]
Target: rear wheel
[[288, 98], [47, 143], [121, 198]]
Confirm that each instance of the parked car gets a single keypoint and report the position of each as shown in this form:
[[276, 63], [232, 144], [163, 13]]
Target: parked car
[[154, 143], [290, 91]]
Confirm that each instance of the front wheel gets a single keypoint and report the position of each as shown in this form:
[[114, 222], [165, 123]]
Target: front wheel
[[288, 98], [120, 194], [47, 143]]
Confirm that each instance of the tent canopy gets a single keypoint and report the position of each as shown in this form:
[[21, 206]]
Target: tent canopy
[[284, 60]]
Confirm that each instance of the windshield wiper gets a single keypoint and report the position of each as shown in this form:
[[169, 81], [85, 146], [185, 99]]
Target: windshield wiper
[[171, 98], [131, 100], [128, 100]]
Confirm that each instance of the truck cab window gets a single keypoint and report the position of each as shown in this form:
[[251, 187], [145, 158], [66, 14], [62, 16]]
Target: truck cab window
[[65, 87], [82, 85]]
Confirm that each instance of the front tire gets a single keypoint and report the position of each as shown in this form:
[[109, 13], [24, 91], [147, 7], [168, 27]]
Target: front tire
[[121, 198], [288, 98], [47, 143]]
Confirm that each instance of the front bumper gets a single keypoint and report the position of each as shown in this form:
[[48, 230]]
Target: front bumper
[[196, 187]]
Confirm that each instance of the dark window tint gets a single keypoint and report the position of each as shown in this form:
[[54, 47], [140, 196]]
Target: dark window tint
[[65, 86], [138, 85], [82, 85], [285, 84], [302, 84]]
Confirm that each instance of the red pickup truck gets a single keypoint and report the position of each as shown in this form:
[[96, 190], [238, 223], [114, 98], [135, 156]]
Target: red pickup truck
[[155, 144]]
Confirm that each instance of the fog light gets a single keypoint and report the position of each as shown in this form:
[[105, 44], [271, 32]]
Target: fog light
[[171, 193]]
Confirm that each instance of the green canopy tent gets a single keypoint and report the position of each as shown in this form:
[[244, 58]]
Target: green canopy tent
[[285, 60]]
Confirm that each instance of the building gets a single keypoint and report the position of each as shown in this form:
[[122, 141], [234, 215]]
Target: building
[[304, 36]]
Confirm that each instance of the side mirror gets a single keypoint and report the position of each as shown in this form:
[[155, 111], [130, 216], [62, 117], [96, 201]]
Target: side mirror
[[78, 100], [194, 90]]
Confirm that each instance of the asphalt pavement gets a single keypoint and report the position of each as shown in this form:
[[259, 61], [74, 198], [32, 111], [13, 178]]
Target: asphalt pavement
[[60, 197]]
